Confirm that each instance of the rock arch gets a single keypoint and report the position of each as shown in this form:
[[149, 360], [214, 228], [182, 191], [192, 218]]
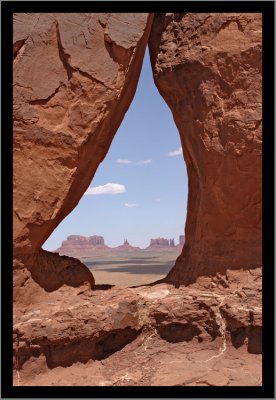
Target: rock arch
[[74, 78]]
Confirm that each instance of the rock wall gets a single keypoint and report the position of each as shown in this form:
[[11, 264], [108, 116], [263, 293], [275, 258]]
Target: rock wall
[[74, 78], [208, 69]]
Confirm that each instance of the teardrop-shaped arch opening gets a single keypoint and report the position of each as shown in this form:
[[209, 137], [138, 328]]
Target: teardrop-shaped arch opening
[[128, 227]]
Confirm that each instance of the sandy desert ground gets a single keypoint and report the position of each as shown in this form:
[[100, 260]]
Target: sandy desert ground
[[131, 268]]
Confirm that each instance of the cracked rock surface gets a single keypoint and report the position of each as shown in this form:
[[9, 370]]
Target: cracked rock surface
[[74, 78], [202, 335], [208, 69]]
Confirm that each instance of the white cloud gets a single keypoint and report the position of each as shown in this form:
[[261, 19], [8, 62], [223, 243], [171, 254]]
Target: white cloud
[[177, 152], [130, 205], [126, 161], [123, 161], [144, 162], [109, 188]]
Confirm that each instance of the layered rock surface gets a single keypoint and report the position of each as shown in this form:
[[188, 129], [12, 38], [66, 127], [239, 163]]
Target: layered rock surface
[[207, 334], [208, 69]]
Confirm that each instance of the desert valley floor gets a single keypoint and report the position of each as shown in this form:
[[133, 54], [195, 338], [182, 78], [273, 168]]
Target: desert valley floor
[[131, 268]]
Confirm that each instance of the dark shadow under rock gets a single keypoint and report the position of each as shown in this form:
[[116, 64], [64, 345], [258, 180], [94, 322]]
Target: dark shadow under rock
[[51, 271], [178, 332]]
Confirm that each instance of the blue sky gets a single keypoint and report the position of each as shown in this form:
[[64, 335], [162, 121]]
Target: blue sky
[[147, 195]]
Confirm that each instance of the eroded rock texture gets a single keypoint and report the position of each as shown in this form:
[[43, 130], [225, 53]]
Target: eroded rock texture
[[208, 69], [207, 334], [74, 78]]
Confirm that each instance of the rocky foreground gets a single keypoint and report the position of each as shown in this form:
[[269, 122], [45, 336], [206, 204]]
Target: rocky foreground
[[207, 334]]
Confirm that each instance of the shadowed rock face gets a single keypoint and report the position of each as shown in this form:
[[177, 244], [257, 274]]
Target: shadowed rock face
[[208, 67]]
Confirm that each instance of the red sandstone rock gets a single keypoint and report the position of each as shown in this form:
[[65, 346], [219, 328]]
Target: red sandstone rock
[[93, 240], [205, 334], [74, 78], [208, 69], [81, 246]]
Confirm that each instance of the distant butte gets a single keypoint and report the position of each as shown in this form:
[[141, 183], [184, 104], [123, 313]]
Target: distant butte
[[77, 246], [81, 246], [126, 246], [162, 242]]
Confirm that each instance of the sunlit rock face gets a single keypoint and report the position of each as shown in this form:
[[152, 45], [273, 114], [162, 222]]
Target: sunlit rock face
[[207, 334], [74, 78], [208, 69]]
